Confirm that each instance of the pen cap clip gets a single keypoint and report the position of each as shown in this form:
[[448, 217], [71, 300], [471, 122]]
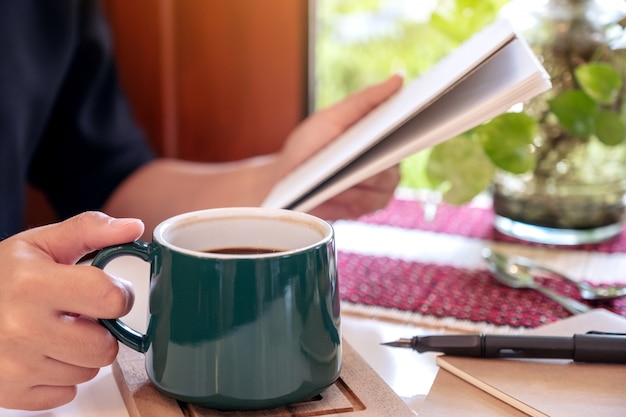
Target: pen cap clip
[[605, 333]]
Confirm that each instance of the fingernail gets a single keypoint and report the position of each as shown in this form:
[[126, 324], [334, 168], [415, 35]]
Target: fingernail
[[124, 222], [130, 292]]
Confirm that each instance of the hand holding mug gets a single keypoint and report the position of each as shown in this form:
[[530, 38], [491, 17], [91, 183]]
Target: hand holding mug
[[244, 307], [49, 341]]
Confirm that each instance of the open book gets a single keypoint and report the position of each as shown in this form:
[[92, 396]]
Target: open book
[[484, 77]]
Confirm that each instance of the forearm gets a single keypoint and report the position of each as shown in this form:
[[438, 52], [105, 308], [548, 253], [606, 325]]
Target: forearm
[[168, 187]]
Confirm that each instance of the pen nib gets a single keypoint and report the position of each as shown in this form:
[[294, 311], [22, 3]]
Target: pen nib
[[403, 343]]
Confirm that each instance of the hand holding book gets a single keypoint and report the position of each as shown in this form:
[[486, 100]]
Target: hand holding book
[[484, 77]]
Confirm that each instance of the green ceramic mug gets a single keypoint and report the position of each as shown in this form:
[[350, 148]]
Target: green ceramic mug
[[243, 307]]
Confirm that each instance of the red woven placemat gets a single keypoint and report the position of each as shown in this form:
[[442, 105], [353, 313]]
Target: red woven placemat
[[447, 291]]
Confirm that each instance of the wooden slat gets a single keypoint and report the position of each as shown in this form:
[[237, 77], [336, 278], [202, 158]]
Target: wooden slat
[[330, 402], [359, 391]]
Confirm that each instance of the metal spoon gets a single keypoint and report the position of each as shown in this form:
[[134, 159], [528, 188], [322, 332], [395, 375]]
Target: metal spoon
[[516, 278], [520, 265]]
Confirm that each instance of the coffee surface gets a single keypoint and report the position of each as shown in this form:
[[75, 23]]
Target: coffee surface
[[242, 250]]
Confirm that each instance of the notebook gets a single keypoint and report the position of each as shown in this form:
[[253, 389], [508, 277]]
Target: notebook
[[514, 387]]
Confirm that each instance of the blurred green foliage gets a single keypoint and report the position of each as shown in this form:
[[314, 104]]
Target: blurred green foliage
[[360, 42]]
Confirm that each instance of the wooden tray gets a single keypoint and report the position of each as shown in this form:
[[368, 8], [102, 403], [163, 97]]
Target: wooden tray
[[358, 392]]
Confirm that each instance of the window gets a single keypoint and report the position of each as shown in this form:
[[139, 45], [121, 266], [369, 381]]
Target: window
[[359, 42]]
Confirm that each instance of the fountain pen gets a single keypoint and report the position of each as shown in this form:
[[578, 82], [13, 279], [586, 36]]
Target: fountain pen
[[587, 347]]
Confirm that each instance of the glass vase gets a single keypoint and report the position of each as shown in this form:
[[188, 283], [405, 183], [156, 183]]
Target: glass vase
[[575, 193]]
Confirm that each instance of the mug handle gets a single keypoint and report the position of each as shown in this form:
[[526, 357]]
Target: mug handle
[[125, 334]]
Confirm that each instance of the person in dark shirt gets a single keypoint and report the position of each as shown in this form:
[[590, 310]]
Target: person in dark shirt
[[66, 129]]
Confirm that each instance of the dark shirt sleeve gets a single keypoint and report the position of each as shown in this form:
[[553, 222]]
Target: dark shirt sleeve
[[91, 143]]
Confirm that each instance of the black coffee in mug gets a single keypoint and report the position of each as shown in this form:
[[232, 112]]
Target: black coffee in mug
[[243, 250]]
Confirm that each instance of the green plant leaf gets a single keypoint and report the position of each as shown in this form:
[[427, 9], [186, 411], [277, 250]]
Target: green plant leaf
[[459, 19], [461, 165], [413, 171], [610, 128], [575, 111], [600, 81], [507, 140]]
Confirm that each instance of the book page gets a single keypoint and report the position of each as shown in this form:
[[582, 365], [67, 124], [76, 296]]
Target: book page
[[397, 110]]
